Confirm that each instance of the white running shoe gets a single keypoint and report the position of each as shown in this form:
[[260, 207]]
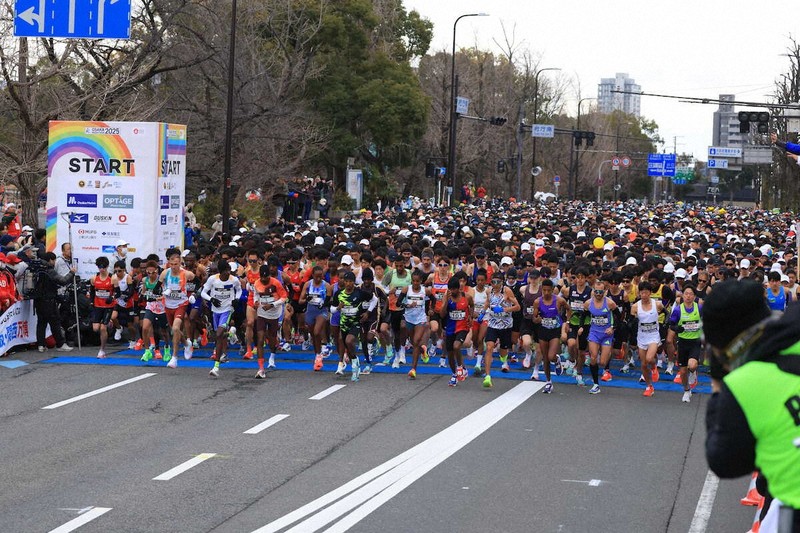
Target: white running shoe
[[579, 380], [214, 372], [670, 367], [173, 362], [101, 354], [306, 345], [442, 362], [402, 355], [505, 368], [687, 396], [42, 349], [188, 350], [340, 369], [64, 348], [271, 362], [595, 389], [232, 338], [371, 350], [625, 368], [526, 363], [261, 374], [396, 362], [535, 374], [692, 378], [325, 351], [118, 334], [286, 347], [132, 345]]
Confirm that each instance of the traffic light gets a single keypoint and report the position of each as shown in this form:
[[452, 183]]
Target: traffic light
[[430, 170], [497, 121], [501, 166], [761, 118], [579, 136]]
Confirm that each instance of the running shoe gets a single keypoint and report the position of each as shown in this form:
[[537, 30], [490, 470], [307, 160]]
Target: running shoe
[[424, 355], [223, 359], [461, 373], [131, 345], [396, 363], [692, 379], [167, 354], [659, 363], [559, 366], [649, 391], [606, 376], [526, 363], [670, 368], [442, 362], [655, 375], [535, 374], [271, 362], [548, 388], [326, 351], [412, 374], [101, 354], [286, 347], [261, 374], [204, 337], [487, 382], [371, 350], [677, 379], [453, 381], [157, 352], [477, 372], [387, 360], [173, 362], [340, 369], [504, 368], [188, 350], [196, 344], [64, 348], [579, 380], [430, 348], [402, 355], [214, 372], [306, 345], [356, 370], [687, 396], [118, 334], [248, 354], [641, 379], [148, 354], [367, 370], [232, 338], [626, 368], [139, 345], [595, 389], [318, 363]]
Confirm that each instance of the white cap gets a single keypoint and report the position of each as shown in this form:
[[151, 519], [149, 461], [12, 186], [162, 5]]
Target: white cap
[[581, 234], [346, 260], [745, 263], [506, 261], [608, 246], [776, 267], [539, 242], [710, 251], [236, 238], [438, 232], [630, 261], [669, 267], [122, 242], [319, 241], [680, 273], [505, 236], [364, 242], [27, 228], [785, 278], [186, 252], [242, 230], [526, 247]]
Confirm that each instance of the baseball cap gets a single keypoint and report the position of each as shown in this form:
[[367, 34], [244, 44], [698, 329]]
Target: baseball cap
[[680, 273], [319, 241], [347, 260], [526, 247], [364, 242], [506, 261], [122, 242]]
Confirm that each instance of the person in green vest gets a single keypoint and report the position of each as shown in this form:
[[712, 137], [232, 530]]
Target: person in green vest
[[753, 418], [685, 321]]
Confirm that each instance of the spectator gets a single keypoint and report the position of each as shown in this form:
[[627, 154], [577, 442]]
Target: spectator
[[121, 253], [189, 215], [38, 241], [7, 242], [47, 286], [233, 223], [12, 221], [64, 261], [216, 226]]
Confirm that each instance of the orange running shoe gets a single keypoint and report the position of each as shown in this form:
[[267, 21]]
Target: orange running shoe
[[139, 345], [318, 363], [606, 376], [649, 391], [248, 354], [158, 353], [204, 337], [677, 379], [655, 375]]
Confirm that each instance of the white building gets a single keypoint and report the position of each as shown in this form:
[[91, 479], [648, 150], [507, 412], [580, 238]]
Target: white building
[[608, 101], [726, 123]]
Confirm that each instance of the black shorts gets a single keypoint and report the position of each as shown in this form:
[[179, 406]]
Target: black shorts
[[689, 349], [268, 325], [297, 307], [529, 328], [396, 320], [501, 335], [126, 315], [158, 321], [516, 322], [583, 338], [548, 334], [354, 330], [621, 334], [450, 340], [101, 315]]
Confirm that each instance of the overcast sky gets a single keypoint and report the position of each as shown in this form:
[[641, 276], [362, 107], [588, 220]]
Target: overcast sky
[[681, 47]]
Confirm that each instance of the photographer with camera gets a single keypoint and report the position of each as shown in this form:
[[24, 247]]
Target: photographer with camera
[[47, 283], [753, 418]]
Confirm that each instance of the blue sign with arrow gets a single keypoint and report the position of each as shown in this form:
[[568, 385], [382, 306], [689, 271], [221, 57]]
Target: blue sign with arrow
[[661, 165], [77, 19]]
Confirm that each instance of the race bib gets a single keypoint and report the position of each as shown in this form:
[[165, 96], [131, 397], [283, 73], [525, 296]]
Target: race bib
[[529, 310], [103, 294], [175, 295], [457, 315], [350, 311], [316, 300], [691, 326], [648, 327], [266, 300], [600, 321], [576, 305], [550, 323]]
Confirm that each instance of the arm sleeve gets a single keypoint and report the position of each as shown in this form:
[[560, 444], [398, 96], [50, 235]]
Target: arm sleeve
[[676, 315], [792, 148], [373, 303], [730, 445], [205, 294]]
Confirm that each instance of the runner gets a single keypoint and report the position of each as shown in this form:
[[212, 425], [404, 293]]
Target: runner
[[778, 297], [579, 320], [221, 290], [376, 322], [251, 275], [102, 288], [601, 331], [480, 298], [527, 297], [501, 304], [394, 281], [685, 320], [194, 322], [316, 296], [547, 312], [349, 301], [457, 310], [414, 299], [437, 282], [124, 314], [176, 301], [154, 322], [270, 297], [644, 321]]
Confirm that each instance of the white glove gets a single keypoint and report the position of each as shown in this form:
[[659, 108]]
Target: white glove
[[334, 308], [192, 299]]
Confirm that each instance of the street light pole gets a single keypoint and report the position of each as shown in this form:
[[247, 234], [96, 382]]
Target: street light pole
[[451, 152], [578, 152], [226, 186], [535, 117]]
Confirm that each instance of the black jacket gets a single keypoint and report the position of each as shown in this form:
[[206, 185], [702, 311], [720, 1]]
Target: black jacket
[[51, 281]]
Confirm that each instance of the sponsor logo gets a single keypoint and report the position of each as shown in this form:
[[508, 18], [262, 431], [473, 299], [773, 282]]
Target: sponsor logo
[[169, 185], [79, 218], [122, 219], [164, 202], [101, 218], [109, 249], [91, 248], [163, 220], [110, 234], [82, 200], [138, 131], [101, 131], [118, 201], [174, 202], [87, 232]]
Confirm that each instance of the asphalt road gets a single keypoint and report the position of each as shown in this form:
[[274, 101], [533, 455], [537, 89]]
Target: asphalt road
[[384, 454]]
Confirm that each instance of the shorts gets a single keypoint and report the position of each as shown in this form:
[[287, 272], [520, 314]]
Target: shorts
[[351, 329], [158, 321], [689, 349], [662, 331], [516, 322], [221, 320], [313, 312], [598, 336], [179, 313], [410, 325], [501, 335], [529, 328], [297, 307], [336, 317], [450, 340], [476, 326], [126, 315], [621, 334], [548, 334], [396, 319], [270, 325], [101, 315], [583, 339], [198, 303], [436, 317]]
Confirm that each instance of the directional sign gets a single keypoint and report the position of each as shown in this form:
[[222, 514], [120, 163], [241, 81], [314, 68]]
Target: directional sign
[[717, 163], [79, 19], [615, 163], [557, 180], [543, 130], [661, 165], [724, 151], [462, 105]]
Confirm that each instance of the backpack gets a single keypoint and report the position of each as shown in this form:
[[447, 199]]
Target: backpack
[[33, 280]]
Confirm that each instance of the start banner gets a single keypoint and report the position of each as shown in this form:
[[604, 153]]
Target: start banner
[[114, 182]]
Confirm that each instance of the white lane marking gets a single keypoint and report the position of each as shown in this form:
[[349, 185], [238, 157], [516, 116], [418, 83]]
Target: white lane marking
[[591, 482], [265, 424], [183, 467], [85, 518], [704, 505], [99, 391], [383, 482], [327, 392]]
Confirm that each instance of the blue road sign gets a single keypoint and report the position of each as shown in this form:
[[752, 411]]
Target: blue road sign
[[661, 165], [78, 19], [557, 179]]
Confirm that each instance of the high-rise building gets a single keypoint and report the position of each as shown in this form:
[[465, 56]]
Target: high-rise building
[[726, 123], [608, 101]]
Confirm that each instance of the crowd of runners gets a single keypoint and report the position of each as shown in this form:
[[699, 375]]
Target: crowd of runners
[[551, 285]]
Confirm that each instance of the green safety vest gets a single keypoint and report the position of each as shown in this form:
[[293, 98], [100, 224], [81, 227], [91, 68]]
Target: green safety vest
[[692, 329], [770, 400]]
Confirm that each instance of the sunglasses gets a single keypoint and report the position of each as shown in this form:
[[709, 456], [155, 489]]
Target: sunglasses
[[480, 257], [626, 281], [252, 260], [496, 281], [728, 264], [444, 264]]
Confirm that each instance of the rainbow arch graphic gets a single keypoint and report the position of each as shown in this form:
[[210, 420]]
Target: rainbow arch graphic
[[67, 137]]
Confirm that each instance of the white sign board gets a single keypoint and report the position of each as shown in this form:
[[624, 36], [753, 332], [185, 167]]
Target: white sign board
[[758, 155], [717, 163], [724, 151], [543, 130], [462, 105], [355, 185], [18, 326], [714, 179], [115, 181]]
